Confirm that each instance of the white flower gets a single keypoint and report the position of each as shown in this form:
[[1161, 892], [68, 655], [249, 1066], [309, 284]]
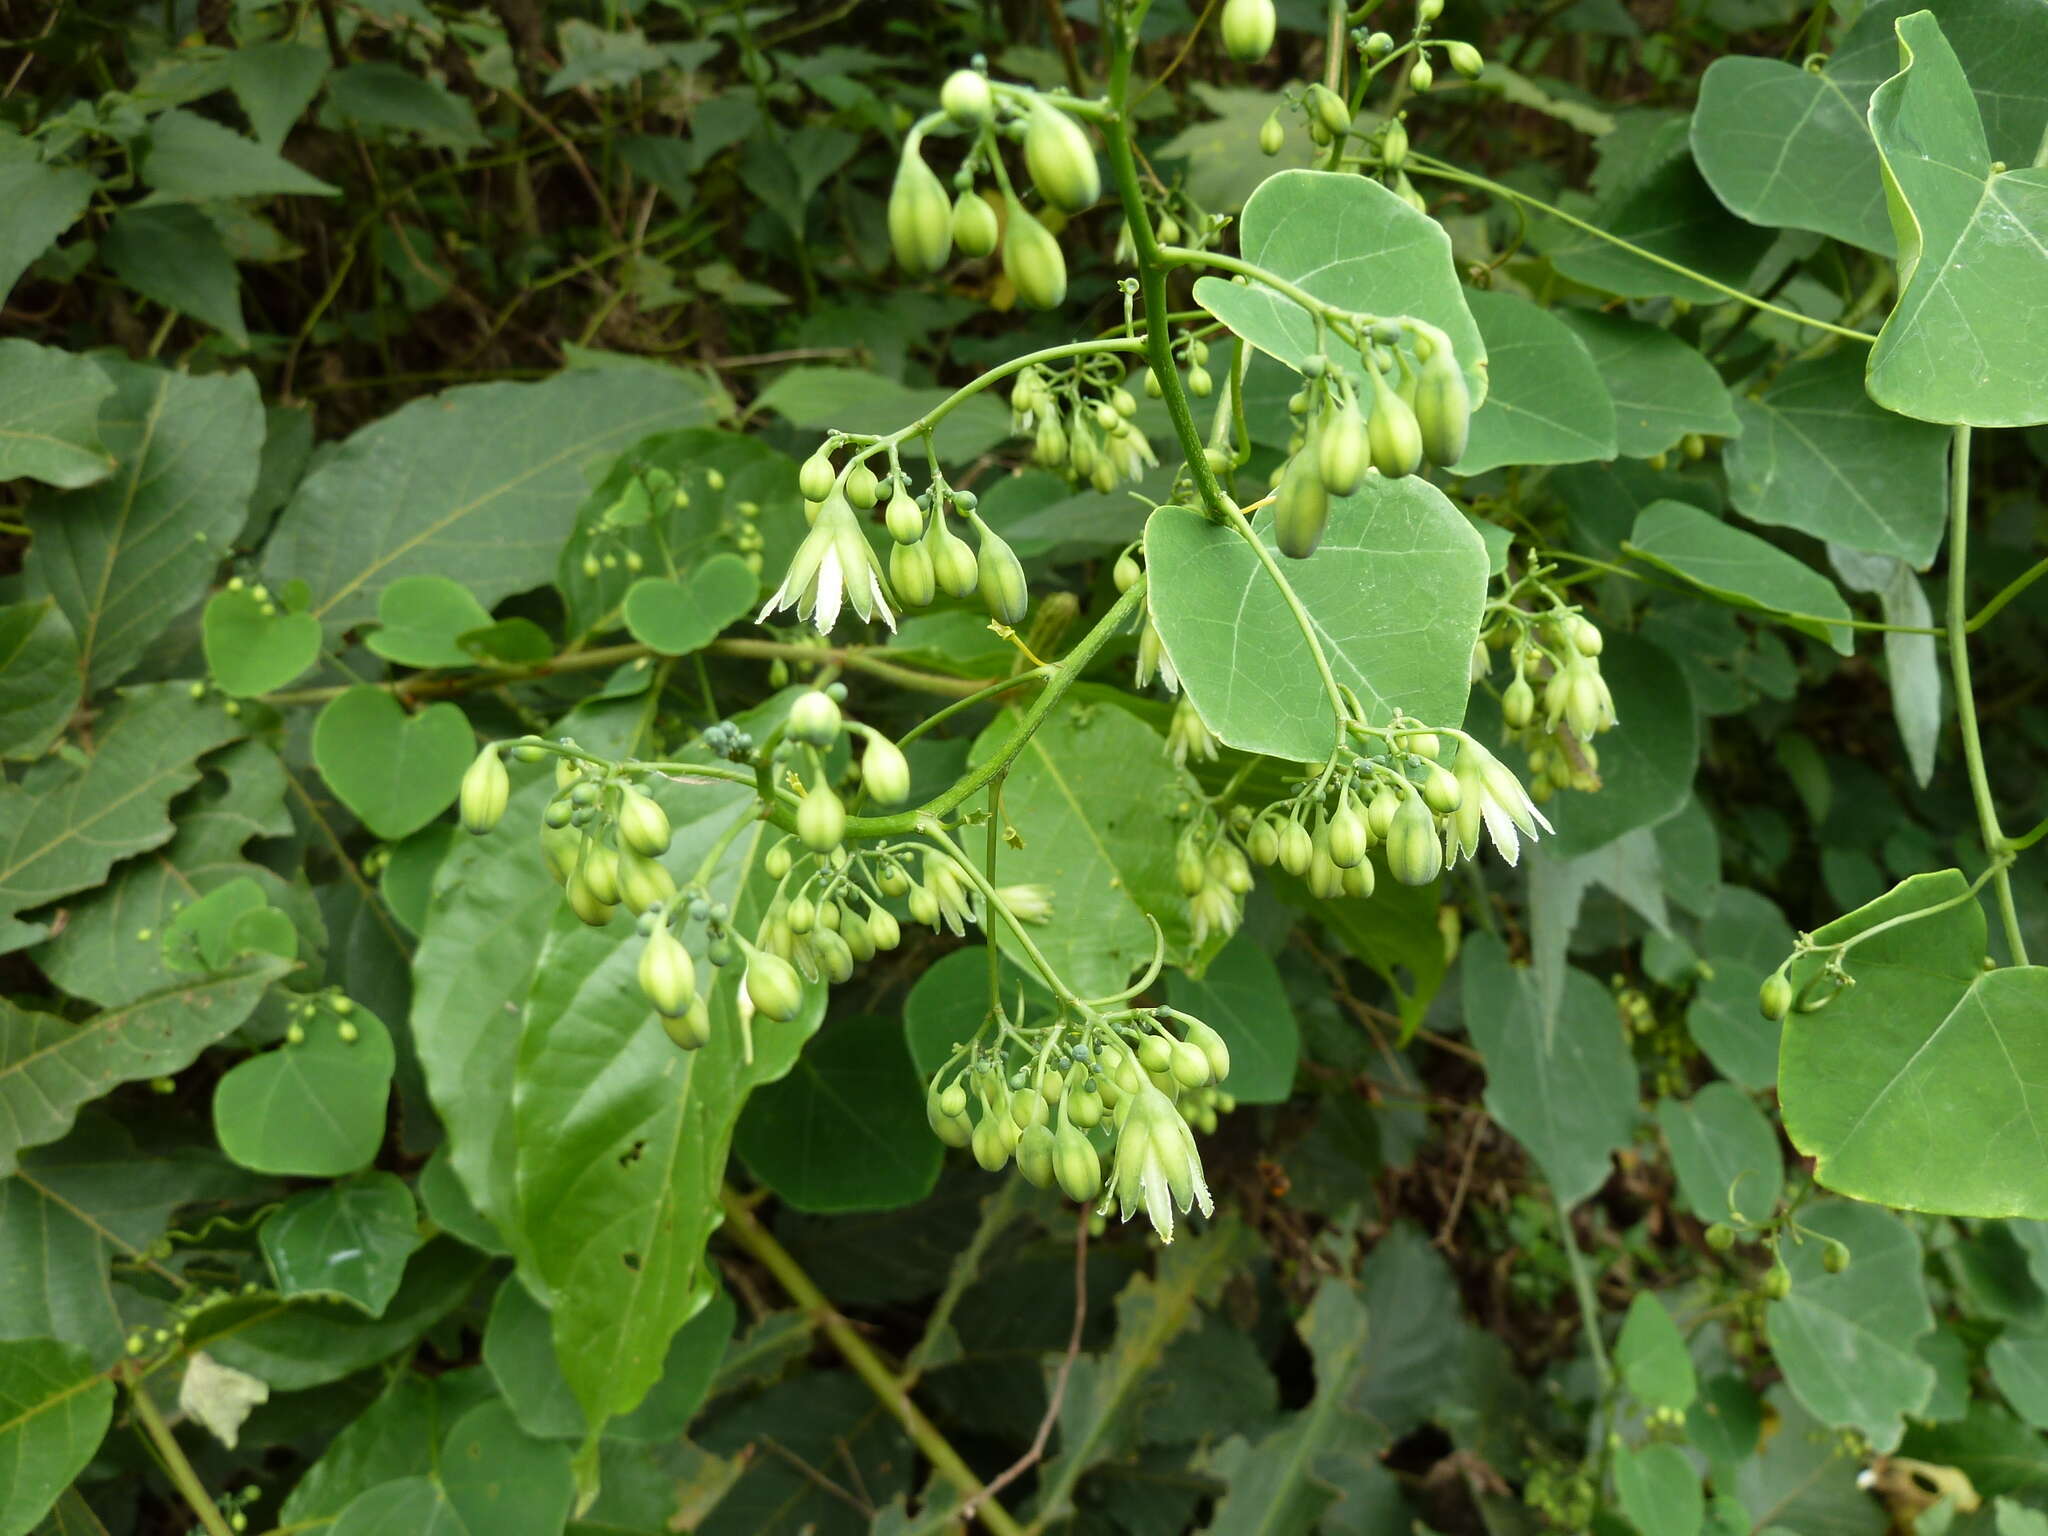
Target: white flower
[[1490, 797], [1212, 909], [1157, 1166], [1028, 903], [832, 566]]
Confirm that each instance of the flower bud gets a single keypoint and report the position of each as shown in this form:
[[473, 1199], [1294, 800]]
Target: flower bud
[[558, 848], [1297, 849], [1517, 704], [1343, 450], [905, 521], [1465, 59], [1190, 1065], [644, 884], [643, 825], [1720, 1237], [1248, 27], [885, 771], [1076, 1165], [601, 873], [584, 903], [1327, 108], [1003, 587], [821, 820], [966, 98], [1441, 790], [1033, 262], [1035, 1151], [920, 219], [1061, 160], [990, 1150], [814, 719], [773, 986], [690, 1029], [1834, 1256], [1421, 77], [1774, 997], [1443, 408], [1263, 842], [976, 229], [666, 974], [1414, 856], [910, 573], [1395, 437], [1301, 507], [1272, 139], [953, 564], [486, 789], [1346, 837]]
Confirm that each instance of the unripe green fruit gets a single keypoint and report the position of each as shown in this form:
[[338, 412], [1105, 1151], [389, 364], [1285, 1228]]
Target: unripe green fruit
[[666, 974], [1327, 110], [1379, 45], [1032, 259], [1003, 587], [774, 987], [1518, 704], [905, 521], [1061, 160], [1465, 59], [1297, 849], [1345, 836], [976, 230], [910, 573], [1035, 1155], [1248, 27], [1343, 450], [643, 825], [1414, 855], [1720, 1237], [1301, 507], [1440, 790], [1394, 145], [1076, 1165], [814, 719], [1396, 439], [1421, 77], [584, 903], [966, 98], [644, 884], [1834, 1256], [601, 873], [486, 788], [821, 820], [1443, 409], [691, 1030], [1777, 1282], [1774, 997], [885, 771], [920, 219], [861, 486], [817, 477]]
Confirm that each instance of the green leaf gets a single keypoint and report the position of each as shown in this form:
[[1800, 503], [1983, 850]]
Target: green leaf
[[174, 255], [1817, 455], [1659, 1491], [297, 1343], [1646, 763], [398, 1435], [125, 557], [1724, 1153], [1964, 343], [1239, 995], [192, 159], [274, 83], [1739, 568], [816, 396], [1669, 211], [1870, 1314], [1351, 242], [396, 771], [63, 828], [845, 1130], [39, 679], [1921, 1086], [1661, 388], [473, 479], [349, 1240], [678, 617], [2019, 1367], [1547, 403], [1396, 934], [100, 953], [1651, 1355], [1804, 1478], [315, 1108], [231, 921], [490, 1476], [71, 1211], [950, 998], [42, 201], [54, 1410], [251, 651], [1097, 802], [519, 1349], [1395, 593], [1913, 670], [50, 416], [1744, 939], [391, 101], [1563, 1085], [421, 619]]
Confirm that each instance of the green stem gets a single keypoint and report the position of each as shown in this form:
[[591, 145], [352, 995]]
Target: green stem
[[2011, 590], [1054, 982], [182, 1477], [1181, 256], [746, 1229], [1589, 1318], [1758, 609], [1966, 704], [1423, 165]]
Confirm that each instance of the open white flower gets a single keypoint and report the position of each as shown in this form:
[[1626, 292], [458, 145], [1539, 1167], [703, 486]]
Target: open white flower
[[1490, 796], [1157, 1166], [833, 566]]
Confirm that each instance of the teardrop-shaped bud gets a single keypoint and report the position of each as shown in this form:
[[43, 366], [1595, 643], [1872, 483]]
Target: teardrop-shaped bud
[[667, 975], [1414, 855], [773, 986], [1076, 1164], [691, 1029], [814, 718], [601, 873], [643, 883], [920, 218], [885, 771], [910, 573], [953, 562], [1396, 439], [1061, 160], [1443, 409], [1347, 839], [643, 825], [821, 820], [966, 98], [976, 230], [1248, 27], [1301, 507], [1035, 1155], [1343, 451], [904, 519], [486, 789], [1003, 587]]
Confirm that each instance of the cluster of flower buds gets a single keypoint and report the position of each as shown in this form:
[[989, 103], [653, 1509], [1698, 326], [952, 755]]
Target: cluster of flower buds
[[1409, 404], [1191, 354], [1556, 701], [1079, 421], [925, 225], [1213, 874], [1057, 1096]]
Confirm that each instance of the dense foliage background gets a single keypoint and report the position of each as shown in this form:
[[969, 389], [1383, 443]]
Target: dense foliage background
[[385, 378]]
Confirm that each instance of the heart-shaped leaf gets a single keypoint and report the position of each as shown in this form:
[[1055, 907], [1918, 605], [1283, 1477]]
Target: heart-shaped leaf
[[314, 1107], [1740, 568], [678, 617], [253, 645], [422, 620], [228, 922], [348, 1240], [396, 772], [509, 643]]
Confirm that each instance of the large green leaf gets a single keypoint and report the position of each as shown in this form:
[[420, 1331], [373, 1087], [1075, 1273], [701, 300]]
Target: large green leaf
[[312, 1107], [1351, 242], [50, 416], [490, 1476], [49, 1066], [1659, 1491], [39, 681], [1651, 1356], [1239, 995], [1803, 1478], [846, 1130], [42, 201], [1724, 1153], [398, 1435], [1740, 568], [1661, 388], [1646, 762], [1968, 339], [1669, 211], [1547, 403], [1563, 1084], [1394, 593], [1815, 454], [1865, 1318], [820, 396], [396, 771], [174, 255], [193, 159], [475, 480], [1922, 1086], [54, 1409], [126, 556], [1098, 805]]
